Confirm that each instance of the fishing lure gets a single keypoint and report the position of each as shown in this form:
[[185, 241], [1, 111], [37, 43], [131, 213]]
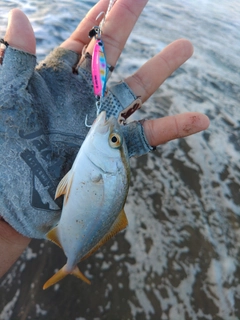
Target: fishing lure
[[99, 63], [99, 69]]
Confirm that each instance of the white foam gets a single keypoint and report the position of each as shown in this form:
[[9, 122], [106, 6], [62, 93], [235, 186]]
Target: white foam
[[40, 311], [8, 309]]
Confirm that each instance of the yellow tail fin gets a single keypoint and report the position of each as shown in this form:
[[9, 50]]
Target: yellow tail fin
[[62, 273], [77, 273]]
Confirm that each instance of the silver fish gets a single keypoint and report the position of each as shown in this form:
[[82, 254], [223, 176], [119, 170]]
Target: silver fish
[[95, 191]]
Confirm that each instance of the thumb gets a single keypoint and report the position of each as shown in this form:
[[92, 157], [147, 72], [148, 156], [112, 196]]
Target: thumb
[[12, 245], [19, 35], [19, 32]]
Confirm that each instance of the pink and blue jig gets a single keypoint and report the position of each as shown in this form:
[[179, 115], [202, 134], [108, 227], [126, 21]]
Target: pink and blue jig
[[99, 63], [99, 69]]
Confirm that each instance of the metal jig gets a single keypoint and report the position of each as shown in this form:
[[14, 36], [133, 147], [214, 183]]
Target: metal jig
[[99, 63]]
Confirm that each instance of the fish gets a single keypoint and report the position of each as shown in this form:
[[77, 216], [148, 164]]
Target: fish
[[95, 192]]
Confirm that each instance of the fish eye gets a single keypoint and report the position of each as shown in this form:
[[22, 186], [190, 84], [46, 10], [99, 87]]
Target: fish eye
[[115, 140]]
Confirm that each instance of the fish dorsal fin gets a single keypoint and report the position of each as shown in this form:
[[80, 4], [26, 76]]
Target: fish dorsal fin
[[52, 235], [120, 223], [64, 185]]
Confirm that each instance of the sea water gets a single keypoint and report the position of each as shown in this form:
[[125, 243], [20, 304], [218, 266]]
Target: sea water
[[179, 257]]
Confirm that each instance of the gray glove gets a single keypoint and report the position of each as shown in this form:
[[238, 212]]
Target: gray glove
[[42, 126]]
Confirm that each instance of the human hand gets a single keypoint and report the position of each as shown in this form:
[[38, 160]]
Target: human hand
[[143, 83]]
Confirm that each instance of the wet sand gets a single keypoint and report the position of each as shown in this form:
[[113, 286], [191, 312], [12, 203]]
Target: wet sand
[[179, 257]]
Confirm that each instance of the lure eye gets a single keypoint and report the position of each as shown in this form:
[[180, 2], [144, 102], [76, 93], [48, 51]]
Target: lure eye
[[115, 140]]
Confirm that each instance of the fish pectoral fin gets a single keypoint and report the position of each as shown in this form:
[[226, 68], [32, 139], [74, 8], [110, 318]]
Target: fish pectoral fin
[[64, 185], [120, 223], [52, 235], [62, 273]]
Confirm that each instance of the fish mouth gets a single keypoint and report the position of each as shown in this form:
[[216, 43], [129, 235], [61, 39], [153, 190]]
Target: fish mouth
[[102, 125], [99, 124], [101, 119]]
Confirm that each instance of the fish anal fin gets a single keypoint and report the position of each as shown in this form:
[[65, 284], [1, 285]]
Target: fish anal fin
[[120, 223], [52, 235], [62, 273], [64, 186], [77, 273]]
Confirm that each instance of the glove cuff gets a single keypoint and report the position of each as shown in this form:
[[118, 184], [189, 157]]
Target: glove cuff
[[136, 140]]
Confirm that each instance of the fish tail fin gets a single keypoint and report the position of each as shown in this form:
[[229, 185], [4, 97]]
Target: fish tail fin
[[77, 273], [62, 273]]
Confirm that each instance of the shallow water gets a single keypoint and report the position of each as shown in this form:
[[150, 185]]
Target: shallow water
[[179, 257]]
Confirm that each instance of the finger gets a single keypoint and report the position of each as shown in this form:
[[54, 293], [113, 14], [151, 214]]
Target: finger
[[19, 32], [79, 38], [162, 130], [154, 72], [117, 27], [12, 245]]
